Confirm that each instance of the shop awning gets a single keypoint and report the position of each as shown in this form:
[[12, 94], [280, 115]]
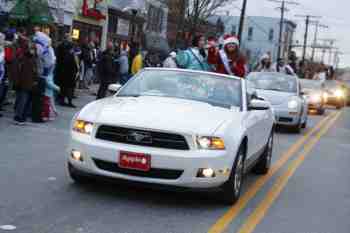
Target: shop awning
[[36, 11], [19, 11]]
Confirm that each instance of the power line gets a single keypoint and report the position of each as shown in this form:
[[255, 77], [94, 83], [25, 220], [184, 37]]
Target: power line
[[330, 47], [317, 26], [283, 9], [307, 22]]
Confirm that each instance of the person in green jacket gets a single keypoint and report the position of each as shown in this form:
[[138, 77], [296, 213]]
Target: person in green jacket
[[194, 58]]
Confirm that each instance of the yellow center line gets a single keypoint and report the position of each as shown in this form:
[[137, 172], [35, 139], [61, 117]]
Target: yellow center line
[[255, 218], [224, 221]]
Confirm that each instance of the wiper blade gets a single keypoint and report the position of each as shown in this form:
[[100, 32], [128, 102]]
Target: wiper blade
[[128, 96], [276, 89]]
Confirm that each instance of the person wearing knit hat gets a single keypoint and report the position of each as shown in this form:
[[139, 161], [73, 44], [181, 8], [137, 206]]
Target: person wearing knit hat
[[265, 63], [228, 59]]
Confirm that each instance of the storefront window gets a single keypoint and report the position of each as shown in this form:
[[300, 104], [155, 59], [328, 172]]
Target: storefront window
[[112, 23]]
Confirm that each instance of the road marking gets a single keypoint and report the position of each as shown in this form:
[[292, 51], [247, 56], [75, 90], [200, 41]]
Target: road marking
[[255, 218], [51, 178], [7, 227], [224, 221]]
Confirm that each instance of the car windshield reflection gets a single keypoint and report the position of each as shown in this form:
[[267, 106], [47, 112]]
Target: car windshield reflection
[[211, 89], [273, 82]]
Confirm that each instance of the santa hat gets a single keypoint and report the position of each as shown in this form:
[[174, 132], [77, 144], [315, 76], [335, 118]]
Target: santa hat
[[229, 39]]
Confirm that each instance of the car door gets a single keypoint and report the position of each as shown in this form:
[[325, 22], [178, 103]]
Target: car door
[[254, 126]]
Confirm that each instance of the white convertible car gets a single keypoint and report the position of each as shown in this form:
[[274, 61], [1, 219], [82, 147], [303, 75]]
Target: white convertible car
[[179, 128]]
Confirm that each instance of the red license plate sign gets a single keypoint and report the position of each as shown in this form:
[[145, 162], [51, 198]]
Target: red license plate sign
[[134, 161]]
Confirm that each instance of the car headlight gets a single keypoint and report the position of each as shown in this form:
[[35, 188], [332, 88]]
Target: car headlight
[[210, 143], [292, 104], [83, 127], [339, 93], [325, 96], [316, 98]]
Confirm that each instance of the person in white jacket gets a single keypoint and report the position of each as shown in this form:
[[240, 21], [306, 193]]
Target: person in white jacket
[[170, 62], [282, 67]]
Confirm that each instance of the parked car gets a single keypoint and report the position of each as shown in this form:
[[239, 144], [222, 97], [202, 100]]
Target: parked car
[[315, 94], [173, 127], [284, 94], [336, 95]]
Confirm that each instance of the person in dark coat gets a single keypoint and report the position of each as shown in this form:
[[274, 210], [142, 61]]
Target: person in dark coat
[[107, 70], [27, 78], [66, 71]]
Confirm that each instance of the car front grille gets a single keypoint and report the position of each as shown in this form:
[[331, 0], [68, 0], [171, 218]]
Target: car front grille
[[153, 173], [285, 119], [142, 137]]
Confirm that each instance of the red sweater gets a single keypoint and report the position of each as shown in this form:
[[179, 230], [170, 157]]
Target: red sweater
[[237, 67]]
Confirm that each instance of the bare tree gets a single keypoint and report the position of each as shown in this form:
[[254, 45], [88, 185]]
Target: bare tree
[[200, 10]]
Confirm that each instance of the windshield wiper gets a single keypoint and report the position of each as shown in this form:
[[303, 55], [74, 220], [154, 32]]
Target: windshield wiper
[[128, 95], [276, 89]]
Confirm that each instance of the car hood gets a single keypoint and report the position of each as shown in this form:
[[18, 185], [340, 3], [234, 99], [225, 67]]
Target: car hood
[[275, 97], [310, 91], [166, 114]]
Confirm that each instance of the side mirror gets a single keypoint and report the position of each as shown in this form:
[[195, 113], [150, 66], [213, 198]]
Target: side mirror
[[114, 88], [255, 96], [258, 105], [302, 93]]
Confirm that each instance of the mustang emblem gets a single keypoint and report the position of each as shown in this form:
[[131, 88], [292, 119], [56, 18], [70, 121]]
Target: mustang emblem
[[139, 137]]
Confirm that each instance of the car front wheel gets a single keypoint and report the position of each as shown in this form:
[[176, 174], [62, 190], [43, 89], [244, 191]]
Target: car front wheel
[[232, 188], [297, 128], [321, 111], [75, 176], [264, 164]]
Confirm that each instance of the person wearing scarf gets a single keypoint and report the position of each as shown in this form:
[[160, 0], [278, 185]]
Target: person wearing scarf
[[228, 60]]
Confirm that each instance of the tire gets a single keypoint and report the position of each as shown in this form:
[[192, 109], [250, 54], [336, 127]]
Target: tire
[[303, 126], [264, 164], [321, 111], [297, 128], [73, 174], [231, 190]]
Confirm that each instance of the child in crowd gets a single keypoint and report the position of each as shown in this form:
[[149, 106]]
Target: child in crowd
[[49, 109]]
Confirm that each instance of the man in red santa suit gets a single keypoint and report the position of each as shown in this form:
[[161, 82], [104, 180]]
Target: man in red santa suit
[[228, 60]]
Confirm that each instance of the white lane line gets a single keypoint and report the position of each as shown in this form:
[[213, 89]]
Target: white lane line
[[7, 227]]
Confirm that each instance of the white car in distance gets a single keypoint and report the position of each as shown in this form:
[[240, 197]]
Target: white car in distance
[[173, 127]]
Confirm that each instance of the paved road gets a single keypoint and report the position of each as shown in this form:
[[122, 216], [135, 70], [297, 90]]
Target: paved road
[[307, 192]]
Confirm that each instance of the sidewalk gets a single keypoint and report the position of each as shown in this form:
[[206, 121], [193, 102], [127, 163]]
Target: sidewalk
[[64, 114]]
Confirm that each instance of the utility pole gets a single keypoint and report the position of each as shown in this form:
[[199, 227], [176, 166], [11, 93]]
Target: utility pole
[[241, 21], [283, 10], [317, 26], [307, 22]]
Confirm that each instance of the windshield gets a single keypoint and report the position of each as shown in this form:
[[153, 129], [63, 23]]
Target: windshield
[[310, 84], [211, 89], [273, 82], [330, 84]]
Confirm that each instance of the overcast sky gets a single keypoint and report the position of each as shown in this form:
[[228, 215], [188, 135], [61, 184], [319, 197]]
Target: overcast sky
[[335, 14]]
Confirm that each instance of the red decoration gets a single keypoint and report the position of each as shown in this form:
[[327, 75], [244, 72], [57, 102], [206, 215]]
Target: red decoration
[[92, 12]]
